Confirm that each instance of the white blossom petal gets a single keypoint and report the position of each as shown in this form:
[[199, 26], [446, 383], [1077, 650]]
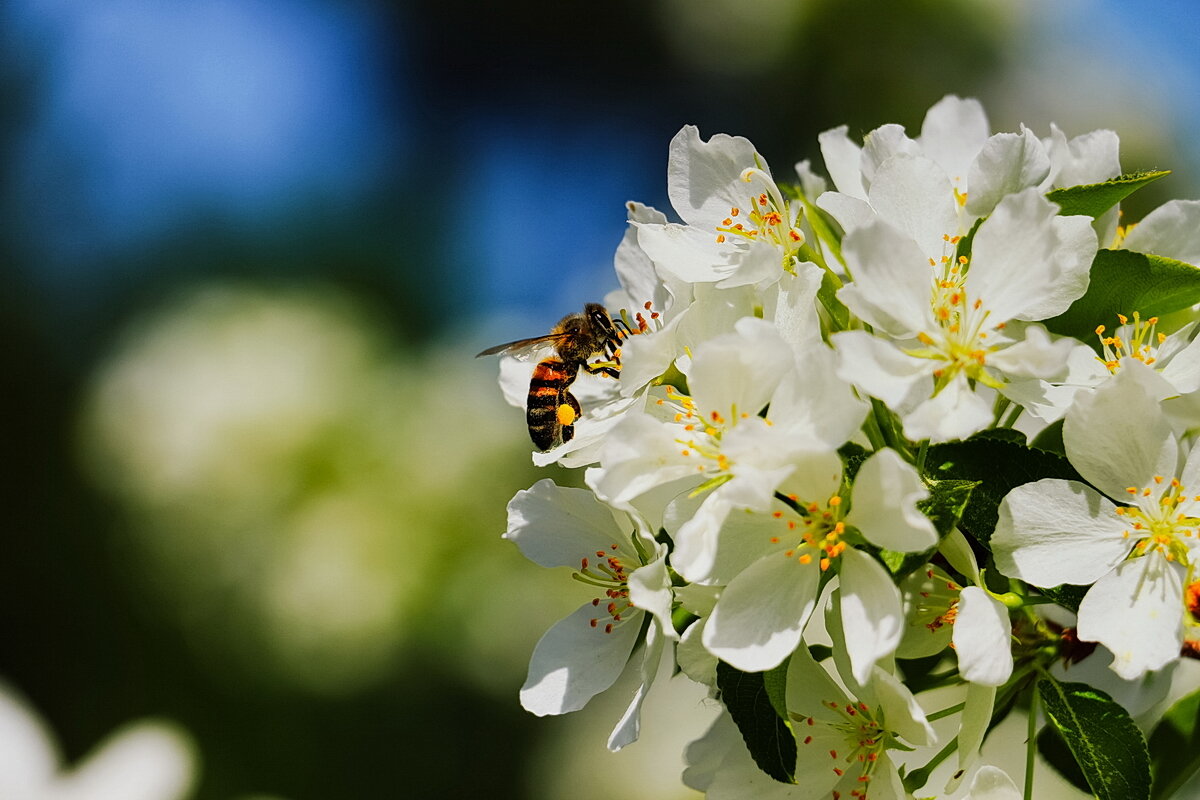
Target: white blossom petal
[[575, 660], [146, 761], [759, 617], [993, 783], [880, 369], [1117, 435], [886, 492], [629, 726], [952, 134], [704, 178], [872, 618], [913, 194], [983, 638], [1171, 230], [891, 288], [1052, 531], [555, 526], [1136, 611], [843, 159], [1007, 163], [955, 412]]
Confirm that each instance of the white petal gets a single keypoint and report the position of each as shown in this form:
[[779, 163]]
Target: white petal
[[871, 612], [1035, 356], [634, 268], [704, 178], [650, 590], [901, 709], [1171, 230], [1015, 258], [684, 253], [1007, 163], [891, 279], [1183, 370], [983, 638], [850, 212], [1117, 436], [739, 370], [884, 143], [144, 762], [976, 717], [1051, 532], [812, 184], [28, 756], [842, 162], [1090, 158], [881, 369], [955, 412], [574, 661], [759, 618], [1136, 611], [886, 493], [639, 454], [555, 526], [629, 726], [814, 408], [953, 132], [693, 657], [792, 307], [914, 195], [993, 783]]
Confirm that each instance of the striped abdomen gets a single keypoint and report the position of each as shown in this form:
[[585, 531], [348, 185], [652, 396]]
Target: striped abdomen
[[547, 393]]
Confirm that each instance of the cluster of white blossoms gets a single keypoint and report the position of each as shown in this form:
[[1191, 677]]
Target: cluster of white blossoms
[[882, 435]]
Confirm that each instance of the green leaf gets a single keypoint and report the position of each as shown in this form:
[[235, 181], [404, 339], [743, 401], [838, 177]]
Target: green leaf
[[1093, 199], [1107, 745], [1067, 595], [827, 295], [1051, 438], [997, 467], [768, 736], [945, 505], [853, 456], [1123, 282], [1057, 754], [1175, 747]]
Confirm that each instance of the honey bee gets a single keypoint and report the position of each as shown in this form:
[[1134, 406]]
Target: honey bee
[[551, 409]]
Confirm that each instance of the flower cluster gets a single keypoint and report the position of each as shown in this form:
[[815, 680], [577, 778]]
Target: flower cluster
[[876, 436]]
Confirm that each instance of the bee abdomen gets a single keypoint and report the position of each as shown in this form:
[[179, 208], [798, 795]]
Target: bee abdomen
[[547, 388]]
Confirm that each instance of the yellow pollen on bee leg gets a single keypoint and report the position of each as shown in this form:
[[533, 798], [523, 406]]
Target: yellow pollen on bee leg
[[566, 415]]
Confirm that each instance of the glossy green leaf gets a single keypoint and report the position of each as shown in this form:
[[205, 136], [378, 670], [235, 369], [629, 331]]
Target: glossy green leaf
[[1093, 199], [1123, 282], [1175, 747], [997, 466], [1107, 745], [767, 735]]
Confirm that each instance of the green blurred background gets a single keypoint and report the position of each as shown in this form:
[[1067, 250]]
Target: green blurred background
[[248, 250]]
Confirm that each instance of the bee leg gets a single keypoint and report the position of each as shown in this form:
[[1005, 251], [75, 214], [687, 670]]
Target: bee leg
[[568, 412], [602, 369]]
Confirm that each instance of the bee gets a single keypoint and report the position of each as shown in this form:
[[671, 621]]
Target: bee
[[551, 409]]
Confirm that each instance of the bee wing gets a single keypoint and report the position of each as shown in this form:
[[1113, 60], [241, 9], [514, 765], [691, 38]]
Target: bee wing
[[524, 348]]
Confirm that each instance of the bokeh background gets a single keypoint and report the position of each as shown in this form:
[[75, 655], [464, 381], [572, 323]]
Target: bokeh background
[[248, 249]]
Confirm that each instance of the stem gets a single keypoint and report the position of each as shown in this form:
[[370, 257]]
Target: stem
[[922, 451], [1031, 743], [1012, 416], [998, 409], [945, 712], [871, 429], [919, 777]]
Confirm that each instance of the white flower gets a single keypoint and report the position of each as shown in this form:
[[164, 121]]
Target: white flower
[[1135, 555], [739, 229], [940, 612], [773, 563], [951, 322], [143, 761], [941, 182], [583, 654], [844, 744]]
